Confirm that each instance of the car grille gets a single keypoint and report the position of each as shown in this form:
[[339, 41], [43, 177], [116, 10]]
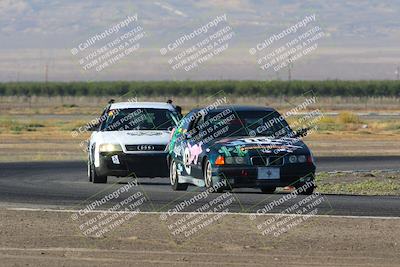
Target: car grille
[[145, 147], [267, 161]]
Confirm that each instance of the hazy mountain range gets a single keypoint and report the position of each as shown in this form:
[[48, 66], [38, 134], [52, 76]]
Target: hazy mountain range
[[361, 38]]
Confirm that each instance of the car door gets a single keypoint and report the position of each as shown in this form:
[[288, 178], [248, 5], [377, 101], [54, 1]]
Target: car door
[[194, 143]]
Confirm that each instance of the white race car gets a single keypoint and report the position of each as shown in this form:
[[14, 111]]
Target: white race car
[[131, 140]]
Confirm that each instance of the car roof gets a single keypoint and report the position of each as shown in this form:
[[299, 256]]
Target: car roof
[[156, 105], [236, 108]]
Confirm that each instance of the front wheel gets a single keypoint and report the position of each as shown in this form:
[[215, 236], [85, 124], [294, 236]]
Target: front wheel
[[89, 171], [96, 179], [174, 178], [207, 174]]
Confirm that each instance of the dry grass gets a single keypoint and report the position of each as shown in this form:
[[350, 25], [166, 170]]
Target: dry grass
[[351, 122], [348, 117], [15, 126], [362, 183]]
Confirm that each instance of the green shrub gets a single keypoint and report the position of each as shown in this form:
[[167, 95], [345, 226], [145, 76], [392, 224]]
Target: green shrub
[[379, 88]]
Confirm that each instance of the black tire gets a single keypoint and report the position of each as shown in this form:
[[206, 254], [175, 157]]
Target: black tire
[[308, 191], [174, 178], [268, 190], [96, 179], [207, 175], [89, 167]]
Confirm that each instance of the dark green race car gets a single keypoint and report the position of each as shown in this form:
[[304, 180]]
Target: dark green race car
[[235, 147]]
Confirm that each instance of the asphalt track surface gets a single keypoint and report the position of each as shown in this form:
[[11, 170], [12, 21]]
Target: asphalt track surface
[[64, 185]]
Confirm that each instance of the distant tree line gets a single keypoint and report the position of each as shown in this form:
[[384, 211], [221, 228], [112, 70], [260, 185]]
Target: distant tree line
[[379, 88]]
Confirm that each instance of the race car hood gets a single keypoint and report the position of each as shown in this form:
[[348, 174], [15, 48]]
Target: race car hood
[[134, 137], [255, 145]]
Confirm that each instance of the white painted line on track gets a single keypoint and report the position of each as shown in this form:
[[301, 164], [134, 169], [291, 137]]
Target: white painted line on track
[[210, 213]]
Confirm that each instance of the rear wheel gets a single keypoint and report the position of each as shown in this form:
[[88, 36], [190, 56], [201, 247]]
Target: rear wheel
[[207, 174], [96, 179], [268, 190], [174, 178], [89, 171]]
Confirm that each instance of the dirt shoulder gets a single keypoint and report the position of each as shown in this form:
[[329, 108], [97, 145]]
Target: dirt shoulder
[[359, 183], [35, 238]]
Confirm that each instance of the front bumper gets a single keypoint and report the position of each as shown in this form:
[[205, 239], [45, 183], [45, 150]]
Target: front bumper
[[136, 165], [247, 176]]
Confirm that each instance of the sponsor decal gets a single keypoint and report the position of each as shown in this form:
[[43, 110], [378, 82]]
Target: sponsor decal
[[228, 151], [194, 152], [265, 144], [180, 169], [178, 150], [270, 147], [186, 158], [144, 133]]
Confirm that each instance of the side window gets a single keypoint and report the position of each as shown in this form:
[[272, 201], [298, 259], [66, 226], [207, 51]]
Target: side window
[[192, 127], [200, 122], [196, 126], [187, 125]]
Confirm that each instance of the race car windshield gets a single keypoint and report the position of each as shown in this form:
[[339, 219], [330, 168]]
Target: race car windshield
[[250, 123], [140, 119]]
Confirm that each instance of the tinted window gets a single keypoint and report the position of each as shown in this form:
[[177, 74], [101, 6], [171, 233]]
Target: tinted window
[[247, 123], [140, 119]]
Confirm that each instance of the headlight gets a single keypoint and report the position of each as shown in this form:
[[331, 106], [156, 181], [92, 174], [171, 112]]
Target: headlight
[[235, 160], [292, 159], [297, 159], [229, 160], [110, 148], [301, 158], [239, 160]]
